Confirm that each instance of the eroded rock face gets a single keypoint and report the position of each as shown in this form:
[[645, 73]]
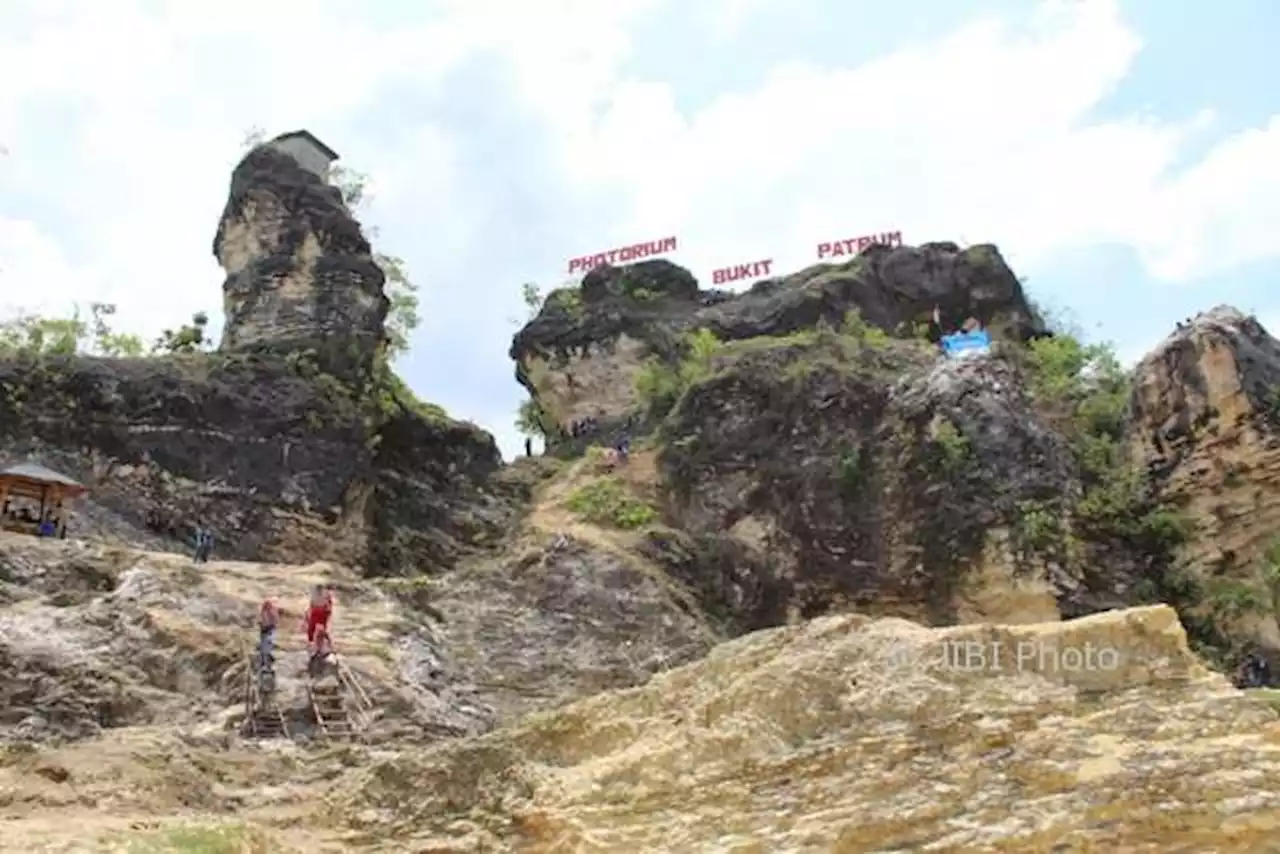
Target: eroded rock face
[[1207, 425], [240, 443], [279, 443], [300, 274], [556, 623], [871, 477], [94, 639], [434, 495], [579, 357], [848, 734]]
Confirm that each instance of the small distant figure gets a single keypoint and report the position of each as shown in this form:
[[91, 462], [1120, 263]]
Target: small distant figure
[[203, 544], [623, 447], [48, 528], [1253, 672], [268, 622], [528, 447]]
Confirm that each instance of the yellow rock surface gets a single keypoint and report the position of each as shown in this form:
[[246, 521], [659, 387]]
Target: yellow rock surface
[[851, 735]]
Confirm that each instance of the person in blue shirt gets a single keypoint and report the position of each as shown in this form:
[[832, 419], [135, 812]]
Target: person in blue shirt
[[48, 528]]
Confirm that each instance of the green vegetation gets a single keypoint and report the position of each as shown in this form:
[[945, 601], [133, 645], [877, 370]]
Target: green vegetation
[[567, 299], [1085, 392], [531, 295], [953, 446], [607, 501], [49, 336], [864, 333], [851, 475], [1233, 598], [203, 839], [1039, 526], [532, 421], [659, 384]]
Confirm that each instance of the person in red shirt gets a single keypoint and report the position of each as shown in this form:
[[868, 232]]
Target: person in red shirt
[[319, 614]]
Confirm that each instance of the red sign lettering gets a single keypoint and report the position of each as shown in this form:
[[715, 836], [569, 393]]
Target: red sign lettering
[[854, 245], [741, 271], [624, 255]]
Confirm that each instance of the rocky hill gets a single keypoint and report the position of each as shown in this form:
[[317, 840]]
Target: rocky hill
[[288, 442], [816, 454], [742, 638]]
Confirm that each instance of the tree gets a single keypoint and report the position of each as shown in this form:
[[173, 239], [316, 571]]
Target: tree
[[531, 420], [189, 338], [253, 137], [43, 336], [402, 316], [532, 296], [107, 342]]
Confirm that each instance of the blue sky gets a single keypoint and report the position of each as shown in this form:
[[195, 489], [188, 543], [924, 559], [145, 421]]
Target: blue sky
[[1125, 156]]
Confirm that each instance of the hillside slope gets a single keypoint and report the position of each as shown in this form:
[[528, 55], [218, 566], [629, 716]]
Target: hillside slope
[[840, 734]]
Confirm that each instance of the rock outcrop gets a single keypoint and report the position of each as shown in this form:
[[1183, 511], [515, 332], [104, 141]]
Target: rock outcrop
[[579, 357], [845, 734], [94, 639], [841, 733], [287, 443], [301, 278], [241, 442], [872, 477], [821, 456], [1206, 409]]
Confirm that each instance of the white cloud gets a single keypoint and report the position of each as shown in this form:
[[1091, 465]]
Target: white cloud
[[506, 138]]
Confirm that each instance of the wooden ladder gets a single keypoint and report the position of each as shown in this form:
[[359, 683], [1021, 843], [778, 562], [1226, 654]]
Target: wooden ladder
[[342, 709], [263, 717], [330, 711]]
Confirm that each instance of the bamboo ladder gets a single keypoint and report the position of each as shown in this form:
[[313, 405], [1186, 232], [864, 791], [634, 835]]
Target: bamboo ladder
[[263, 720], [330, 707]]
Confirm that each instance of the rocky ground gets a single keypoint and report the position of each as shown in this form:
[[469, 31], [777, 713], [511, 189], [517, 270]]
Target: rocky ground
[[843, 733]]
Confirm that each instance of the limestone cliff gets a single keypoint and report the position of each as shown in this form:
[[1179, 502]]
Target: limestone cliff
[[816, 453], [1207, 423], [819, 462], [300, 274], [288, 443], [579, 357], [241, 442]]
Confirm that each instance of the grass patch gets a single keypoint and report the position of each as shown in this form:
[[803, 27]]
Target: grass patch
[[208, 839], [606, 501]]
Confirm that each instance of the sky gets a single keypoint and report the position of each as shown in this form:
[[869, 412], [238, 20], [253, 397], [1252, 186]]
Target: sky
[[1124, 156]]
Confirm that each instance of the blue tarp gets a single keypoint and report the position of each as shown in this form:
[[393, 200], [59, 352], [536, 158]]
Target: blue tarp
[[965, 343]]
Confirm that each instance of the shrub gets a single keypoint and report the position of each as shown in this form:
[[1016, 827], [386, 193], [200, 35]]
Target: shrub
[[862, 332], [659, 384], [606, 501], [953, 446], [1039, 526]]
